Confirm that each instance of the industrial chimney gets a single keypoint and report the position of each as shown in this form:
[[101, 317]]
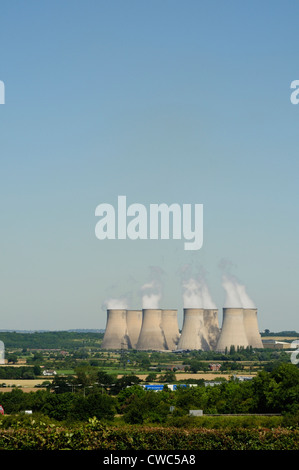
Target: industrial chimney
[[251, 328], [116, 334], [170, 328], [233, 330], [151, 334], [211, 324], [134, 322], [194, 335]]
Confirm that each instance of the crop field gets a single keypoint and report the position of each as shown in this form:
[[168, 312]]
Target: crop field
[[32, 385], [26, 385]]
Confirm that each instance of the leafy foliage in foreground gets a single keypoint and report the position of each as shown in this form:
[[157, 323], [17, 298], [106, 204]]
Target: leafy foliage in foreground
[[95, 436]]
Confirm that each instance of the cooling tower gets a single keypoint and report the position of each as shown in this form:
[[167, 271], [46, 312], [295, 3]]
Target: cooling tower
[[251, 328], [2, 353], [134, 322], [194, 335], [170, 328], [211, 324], [116, 333], [151, 334], [233, 330]]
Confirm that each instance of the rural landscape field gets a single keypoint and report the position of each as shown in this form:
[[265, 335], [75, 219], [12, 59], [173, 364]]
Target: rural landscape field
[[54, 386]]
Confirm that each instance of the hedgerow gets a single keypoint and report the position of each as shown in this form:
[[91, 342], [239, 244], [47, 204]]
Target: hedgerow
[[94, 435]]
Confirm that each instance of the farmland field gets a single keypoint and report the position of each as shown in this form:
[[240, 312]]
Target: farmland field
[[26, 385]]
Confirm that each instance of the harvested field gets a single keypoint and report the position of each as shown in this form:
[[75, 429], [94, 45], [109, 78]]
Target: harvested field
[[30, 385], [203, 375], [208, 376], [25, 385]]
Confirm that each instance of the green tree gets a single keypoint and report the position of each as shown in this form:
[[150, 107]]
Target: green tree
[[276, 391], [124, 382], [56, 406], [37, 370], [196, 365], [14, 401], [134, 411], [169, 376], [60, 385], [260, 387], [12, 358], [86, 378], [105, 380], [151, 377], [101, 406], [283, 391]]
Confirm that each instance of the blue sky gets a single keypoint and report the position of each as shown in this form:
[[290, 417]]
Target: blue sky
[[161, 101]]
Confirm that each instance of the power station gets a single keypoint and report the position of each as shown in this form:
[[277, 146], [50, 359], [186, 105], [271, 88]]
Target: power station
[[194, 335], [157, 329], [239, 329], [233, 330], [170, 328], [134, 322], [116, 334], [251, 327], [151, 333]]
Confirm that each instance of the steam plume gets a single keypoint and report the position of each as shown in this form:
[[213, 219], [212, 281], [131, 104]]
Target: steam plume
[[151, 294], [151, 291], [236, 295], [120, 303], [196, 294]]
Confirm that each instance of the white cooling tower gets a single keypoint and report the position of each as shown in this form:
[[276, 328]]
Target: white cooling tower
[[211, 324], [170, 328], [251, 328], [194, 335], [134, 322], [233, 330], [151, 334], [116, 333], [2, 353]]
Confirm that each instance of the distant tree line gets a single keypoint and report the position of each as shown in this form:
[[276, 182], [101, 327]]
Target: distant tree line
[[71, 339], [49, 339], [7, 372], [280, 333]]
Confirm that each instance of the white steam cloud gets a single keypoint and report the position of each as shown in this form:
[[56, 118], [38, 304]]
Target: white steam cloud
[[121, 303], [236, 295], [151, 291], [196, 294], [151, 294]]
